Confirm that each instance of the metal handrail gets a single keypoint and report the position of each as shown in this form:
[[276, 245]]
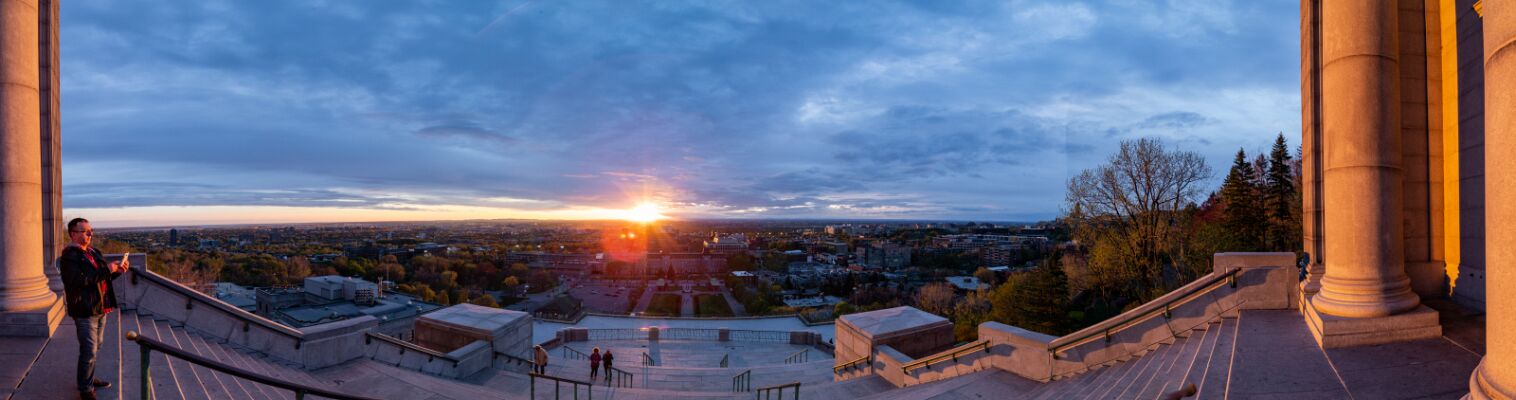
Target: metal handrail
[[570, 353], [724, 360], [404, 345], [147, 345], [743, 382], [1197, 289], [517, 360], [621, 379], [558, 387], [798, 357], [953, 354], [766, 393], [648, 361], [850, 364]]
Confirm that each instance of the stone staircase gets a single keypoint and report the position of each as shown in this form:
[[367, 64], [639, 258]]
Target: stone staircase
[[1203, 357]]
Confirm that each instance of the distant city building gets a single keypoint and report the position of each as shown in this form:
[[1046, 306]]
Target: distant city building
[[331, 298], [734, 243], [881, 254], [686, 263], [173, 237], [966, 283]]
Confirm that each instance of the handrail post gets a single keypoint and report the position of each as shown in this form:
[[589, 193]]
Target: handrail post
[[299, 394], [147, 376], [533, 392]]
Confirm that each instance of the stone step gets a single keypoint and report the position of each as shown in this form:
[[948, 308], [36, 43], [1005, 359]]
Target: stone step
[[1212, 382], [1177, 367], [1198, 365]]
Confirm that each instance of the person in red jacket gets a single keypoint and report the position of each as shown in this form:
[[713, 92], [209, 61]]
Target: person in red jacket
[[594, 363], [89, 297]]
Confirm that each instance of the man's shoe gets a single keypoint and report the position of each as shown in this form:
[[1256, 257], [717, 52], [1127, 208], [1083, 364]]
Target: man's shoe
[[101, 384], [89, 395]]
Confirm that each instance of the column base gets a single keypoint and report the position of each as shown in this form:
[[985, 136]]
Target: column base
[[34, 323], [1333, 331]]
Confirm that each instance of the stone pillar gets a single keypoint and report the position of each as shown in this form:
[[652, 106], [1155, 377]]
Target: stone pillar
[[1310, 144], [27, 306], [54, 229], [1365, 276], [1496, 375]]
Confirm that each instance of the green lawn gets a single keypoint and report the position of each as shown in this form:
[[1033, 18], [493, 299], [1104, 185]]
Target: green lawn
[[664, 305], [712, 305]]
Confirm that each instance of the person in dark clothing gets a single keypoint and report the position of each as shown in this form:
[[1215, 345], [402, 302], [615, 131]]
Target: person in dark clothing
[[89, 297], [605, 360]]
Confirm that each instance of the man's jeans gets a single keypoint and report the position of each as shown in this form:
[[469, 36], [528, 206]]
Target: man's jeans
[[90, 331]]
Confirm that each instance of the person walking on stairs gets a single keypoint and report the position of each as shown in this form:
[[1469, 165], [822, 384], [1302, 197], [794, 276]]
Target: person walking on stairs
[[89, 296], [539, 360], [594, 363], [607, 359]]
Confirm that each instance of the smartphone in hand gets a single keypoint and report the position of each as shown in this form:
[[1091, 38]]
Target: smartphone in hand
[[124, 263]]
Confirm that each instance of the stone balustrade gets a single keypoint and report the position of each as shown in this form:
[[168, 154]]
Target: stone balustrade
[[1240, 281], [459, 363], [312, 347]]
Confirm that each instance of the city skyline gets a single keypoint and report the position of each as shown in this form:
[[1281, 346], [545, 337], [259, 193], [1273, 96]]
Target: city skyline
[[215, 112]]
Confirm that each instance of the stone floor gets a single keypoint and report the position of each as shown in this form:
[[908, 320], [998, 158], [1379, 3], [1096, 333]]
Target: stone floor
[[1260, 354]]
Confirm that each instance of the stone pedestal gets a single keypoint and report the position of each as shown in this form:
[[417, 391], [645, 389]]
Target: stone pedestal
[[34, 323], [445, 330], [1333, 331], [912, 332]]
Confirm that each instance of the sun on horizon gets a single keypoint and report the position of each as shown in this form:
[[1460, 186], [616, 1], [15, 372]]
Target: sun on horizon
[[643, 213]]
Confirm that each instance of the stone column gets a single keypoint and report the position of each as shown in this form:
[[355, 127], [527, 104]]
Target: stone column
[[1496, 375], [1310, 144], [1365, 276], [27, 306]]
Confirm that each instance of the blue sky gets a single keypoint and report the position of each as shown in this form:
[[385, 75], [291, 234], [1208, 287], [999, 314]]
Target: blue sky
[[220, 112]]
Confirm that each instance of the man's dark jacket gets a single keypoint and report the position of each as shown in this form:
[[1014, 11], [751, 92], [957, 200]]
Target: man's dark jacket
[[87, 288]]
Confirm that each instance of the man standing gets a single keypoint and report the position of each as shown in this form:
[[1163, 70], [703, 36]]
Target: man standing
[[89, 296]]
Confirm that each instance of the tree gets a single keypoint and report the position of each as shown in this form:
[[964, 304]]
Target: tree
[[1243, 220], [936, 298], [986, 276], [1280, 199], [1038, 301], [1130, 204], [485, 300]]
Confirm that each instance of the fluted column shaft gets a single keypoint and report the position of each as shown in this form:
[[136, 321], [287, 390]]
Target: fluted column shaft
[[1496, 375], [1365, 275], [23, 286]]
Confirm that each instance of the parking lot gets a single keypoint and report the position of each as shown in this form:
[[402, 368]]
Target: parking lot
[[603, 296]]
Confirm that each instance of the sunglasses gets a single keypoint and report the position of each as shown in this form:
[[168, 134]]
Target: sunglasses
[[86, 233]]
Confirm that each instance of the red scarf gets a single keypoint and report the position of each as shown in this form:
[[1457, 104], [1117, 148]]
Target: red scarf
[[102, 284]]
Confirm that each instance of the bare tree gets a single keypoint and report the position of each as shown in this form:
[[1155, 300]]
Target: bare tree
[[1126, 209], [936, 298]]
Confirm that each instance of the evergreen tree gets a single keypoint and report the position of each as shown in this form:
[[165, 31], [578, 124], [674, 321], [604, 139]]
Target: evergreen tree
[[1280, 196], [1037, 301], [1243, 217]]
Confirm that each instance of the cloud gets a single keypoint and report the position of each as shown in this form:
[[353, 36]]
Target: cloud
[[972, 110]]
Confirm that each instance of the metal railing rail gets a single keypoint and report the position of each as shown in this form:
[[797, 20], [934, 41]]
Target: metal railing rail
[[724, 360], [982, 345], [408, 346], [689, 334], [766, 393], [798, 357], [1097, 332], [570, 353], [147, 345], [647, 360], [855, 363], [516, 360], [738, 335], [619, 378], [743, 382], [558, 386], [617, 334]]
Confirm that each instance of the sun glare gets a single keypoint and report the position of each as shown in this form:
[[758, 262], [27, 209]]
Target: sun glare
[[645, 212]]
